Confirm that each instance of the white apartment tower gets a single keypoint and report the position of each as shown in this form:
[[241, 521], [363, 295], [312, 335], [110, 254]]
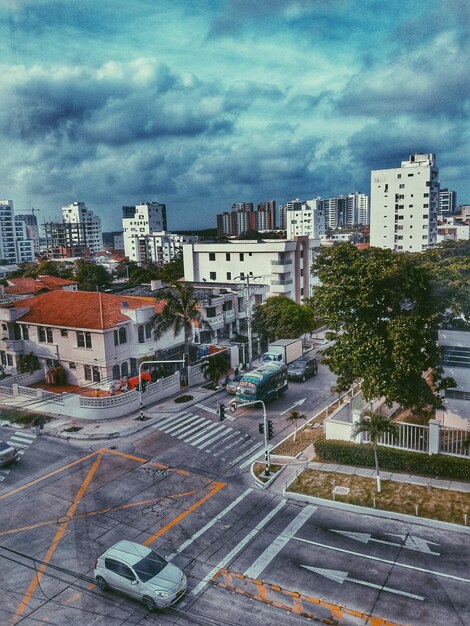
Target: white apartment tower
[[15, 246], [404, 205], [137, 221], [89, 226], [308, 220]]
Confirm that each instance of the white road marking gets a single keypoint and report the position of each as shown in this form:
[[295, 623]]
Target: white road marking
[[192, 427], [207, 435], [409, 542], [252, 458], [231, 433], [279, 542], [218, 436], [206, 408], [176, 427], [209, 427], [246, 453], [167, 420], [339, 577], [23, 437], [234, 443], [213, 521], [385, 561], [298, 403], [239, 547]]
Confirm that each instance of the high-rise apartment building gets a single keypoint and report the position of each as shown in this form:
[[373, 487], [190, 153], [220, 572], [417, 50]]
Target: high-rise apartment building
[[349, 210], [447, 202], [32, 229], [243, 218], [293, 205], [79, 214], [15, 246], [266, 215], [161, 247], [141, 219], [308, 220], [404, 205]]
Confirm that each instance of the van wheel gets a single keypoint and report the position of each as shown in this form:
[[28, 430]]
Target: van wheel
[[149, 603], [102, 584]]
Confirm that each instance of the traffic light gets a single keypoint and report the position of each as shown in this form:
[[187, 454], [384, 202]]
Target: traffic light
[[221, 411], [270, 429], [261, 428]]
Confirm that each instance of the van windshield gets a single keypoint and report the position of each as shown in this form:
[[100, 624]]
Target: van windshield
[[149, 566]]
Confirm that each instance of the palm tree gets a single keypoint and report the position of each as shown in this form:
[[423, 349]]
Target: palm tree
[[294, 416], [215, 366], [180, 312], [375, 425]]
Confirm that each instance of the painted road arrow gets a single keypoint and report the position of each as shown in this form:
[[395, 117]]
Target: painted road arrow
[[298, 403], [408, 541], [340, 577]]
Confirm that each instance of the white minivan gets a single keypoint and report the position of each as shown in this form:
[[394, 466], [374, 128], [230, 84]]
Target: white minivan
[[141, 573]]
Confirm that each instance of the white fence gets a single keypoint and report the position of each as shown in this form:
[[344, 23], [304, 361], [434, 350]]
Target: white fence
[[74, 405]]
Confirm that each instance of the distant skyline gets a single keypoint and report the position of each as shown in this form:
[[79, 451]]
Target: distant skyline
[[200, 104]]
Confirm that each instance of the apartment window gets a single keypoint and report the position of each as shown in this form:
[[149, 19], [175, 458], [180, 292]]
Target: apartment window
[[425, 216], [425, 206], [424, 237], [87, 372], [227, 256], [402, 186], [229, 275], [148, 331], [211, 312], [399, 176], [122, 335], [211, 256], [212, 275], [140, 334], [9, 360], [25, 332], [83, 340], [242, 256], [410, 175], [72, 366], [41, 334], [116, 338], [410, 206], [64, 332]]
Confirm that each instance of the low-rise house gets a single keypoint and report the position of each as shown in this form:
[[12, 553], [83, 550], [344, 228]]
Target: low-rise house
[[95, 337], [25, 287]]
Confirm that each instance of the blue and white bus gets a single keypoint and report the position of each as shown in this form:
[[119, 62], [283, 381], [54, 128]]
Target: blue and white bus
[[266, 382]]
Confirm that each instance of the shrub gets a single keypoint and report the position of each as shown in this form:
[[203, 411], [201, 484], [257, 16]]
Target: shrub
[[186, 398], [391, 459]]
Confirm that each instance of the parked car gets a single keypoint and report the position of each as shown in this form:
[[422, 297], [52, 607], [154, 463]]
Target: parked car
[[302, 368], [8, 454], [231, 386], [141, 573]]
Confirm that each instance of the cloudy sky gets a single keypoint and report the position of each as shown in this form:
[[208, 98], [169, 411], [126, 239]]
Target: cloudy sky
[[201, 103]]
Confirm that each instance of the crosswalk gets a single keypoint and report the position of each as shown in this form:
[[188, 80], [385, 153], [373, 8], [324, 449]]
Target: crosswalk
[[215, 438], [21, 441]]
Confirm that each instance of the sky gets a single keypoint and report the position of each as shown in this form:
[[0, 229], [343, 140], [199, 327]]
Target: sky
[[201, 103]]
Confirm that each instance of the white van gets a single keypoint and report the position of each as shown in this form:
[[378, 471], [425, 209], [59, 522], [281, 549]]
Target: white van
[[141, 573]]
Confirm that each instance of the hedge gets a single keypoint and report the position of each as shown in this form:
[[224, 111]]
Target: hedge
[[391, 459]]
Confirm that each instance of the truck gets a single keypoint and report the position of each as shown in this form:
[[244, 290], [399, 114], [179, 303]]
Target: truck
[[285, 350]]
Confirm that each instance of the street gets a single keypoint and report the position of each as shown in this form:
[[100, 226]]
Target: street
[[182, 486]]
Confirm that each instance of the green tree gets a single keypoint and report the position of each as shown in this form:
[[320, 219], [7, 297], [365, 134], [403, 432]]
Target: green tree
[[281, 318], [174, 270], [375, 426], [383, 316], [125, 268], [179, 313], [215, 366], [45, 267], [91, 276], [293, 418]]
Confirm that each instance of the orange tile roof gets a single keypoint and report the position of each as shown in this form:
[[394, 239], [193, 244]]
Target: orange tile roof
[[80, 309], [24, 286]]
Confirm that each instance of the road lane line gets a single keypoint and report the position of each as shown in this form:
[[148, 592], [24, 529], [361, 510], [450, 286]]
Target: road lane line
[[252, 458], [209, 434], [222, 433], [213, 521], [175, 428], [206, 428], [279, 542], [170, 420], [238, 548], [385, 561], [206, 408]]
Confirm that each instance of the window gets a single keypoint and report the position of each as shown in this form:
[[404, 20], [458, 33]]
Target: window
[[399, 176], [9, 360], [122, 335], [229, 275], [72, 365], [83, 340], [87, 370], [49, 336], [140, 334], [64, 332], [211, 256], [425, 206], [96, 374], [402, 186], [25, 332], [41, 334], [116, 372], [425, 216], [148, 331], [213, 275], [227, 256], [410, 175], [116, 338], [242, 256]]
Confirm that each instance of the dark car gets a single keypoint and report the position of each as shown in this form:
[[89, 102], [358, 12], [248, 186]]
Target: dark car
[[302, 368], [8, 454]]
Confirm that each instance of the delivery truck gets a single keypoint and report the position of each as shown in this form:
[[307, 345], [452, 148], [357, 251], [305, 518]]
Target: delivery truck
[[285, 350]]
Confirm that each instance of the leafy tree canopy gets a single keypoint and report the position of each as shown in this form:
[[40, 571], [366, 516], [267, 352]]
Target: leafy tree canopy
[[281, 318], [45, 267], [383, 313], [91, 276]]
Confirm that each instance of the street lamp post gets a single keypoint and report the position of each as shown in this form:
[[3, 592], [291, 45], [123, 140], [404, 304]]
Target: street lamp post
[[141, 414], [233, 407]]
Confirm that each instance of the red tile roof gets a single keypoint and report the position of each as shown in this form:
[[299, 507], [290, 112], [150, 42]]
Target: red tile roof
[[24, 286], [80, 309]]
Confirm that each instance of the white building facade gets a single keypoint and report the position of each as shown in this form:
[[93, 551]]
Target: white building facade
[[88, 223], [161, 247], [309, 220], [15, 245], [283, 265], [139, 220], [404, 205]]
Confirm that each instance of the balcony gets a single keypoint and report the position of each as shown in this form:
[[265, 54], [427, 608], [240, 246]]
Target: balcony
[[279, 287], [281, 267]]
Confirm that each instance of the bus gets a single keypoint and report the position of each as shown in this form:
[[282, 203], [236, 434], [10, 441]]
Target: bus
[[266, 382]]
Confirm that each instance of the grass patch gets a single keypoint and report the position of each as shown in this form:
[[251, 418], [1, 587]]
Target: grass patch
[[211, 386], [21, 417], [433, 503], [185, 398], [258, 470], [304, 438]]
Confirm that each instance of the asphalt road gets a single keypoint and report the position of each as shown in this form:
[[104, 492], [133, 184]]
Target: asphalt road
[[251, 557]]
